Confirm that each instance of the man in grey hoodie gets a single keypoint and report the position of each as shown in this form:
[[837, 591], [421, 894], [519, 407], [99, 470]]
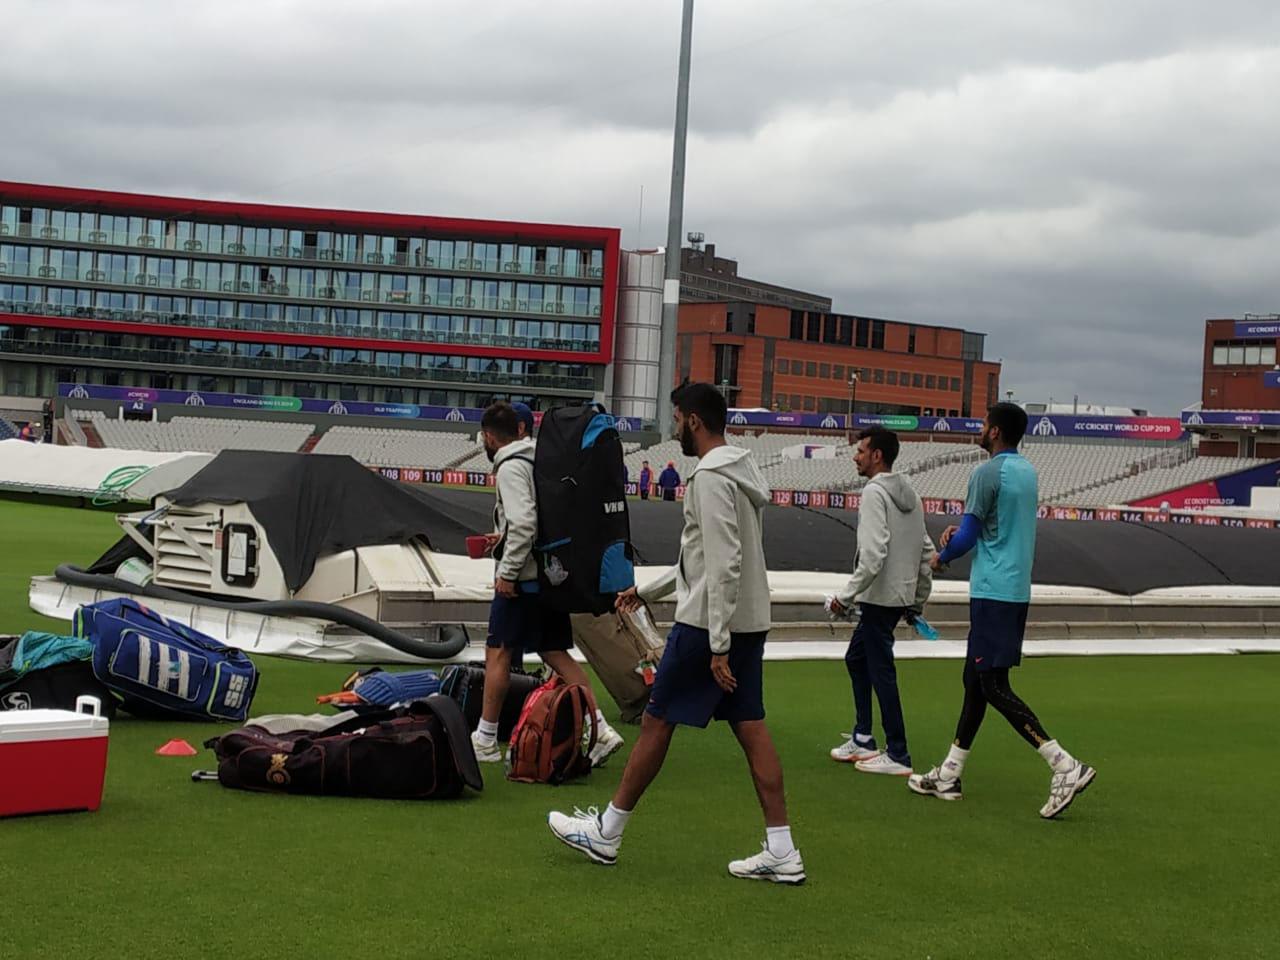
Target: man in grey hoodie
[[891, 578], [713, 664]]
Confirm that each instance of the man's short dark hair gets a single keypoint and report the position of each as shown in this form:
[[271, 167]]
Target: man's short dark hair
[[704, 400], [501, 420], [886, 441], [1010, 419]]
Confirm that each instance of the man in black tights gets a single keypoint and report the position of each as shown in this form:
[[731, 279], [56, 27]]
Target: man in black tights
[[1000, 520]]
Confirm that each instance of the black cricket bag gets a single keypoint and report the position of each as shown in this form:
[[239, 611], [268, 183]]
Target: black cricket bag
[[43, 671], [420, 751], [583, 550], [464, 684]]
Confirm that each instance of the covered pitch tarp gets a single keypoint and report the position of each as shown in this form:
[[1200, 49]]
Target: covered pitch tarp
[[1124, 558]]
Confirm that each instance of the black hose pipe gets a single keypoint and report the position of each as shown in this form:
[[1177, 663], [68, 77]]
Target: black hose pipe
[[452, 640]]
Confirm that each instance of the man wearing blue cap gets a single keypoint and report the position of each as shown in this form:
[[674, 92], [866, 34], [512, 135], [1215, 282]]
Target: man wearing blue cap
[[525, 415]]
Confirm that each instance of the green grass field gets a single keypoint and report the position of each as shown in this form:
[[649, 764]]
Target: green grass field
[[1172, 853]]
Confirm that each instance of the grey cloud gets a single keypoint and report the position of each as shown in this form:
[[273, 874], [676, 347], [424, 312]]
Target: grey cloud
[[1083, 180]]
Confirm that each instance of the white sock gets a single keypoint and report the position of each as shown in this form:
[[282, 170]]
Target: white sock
[[613, 821], [953, 766], [778, 840], [863, 738], [1059, 760], [488, 731]]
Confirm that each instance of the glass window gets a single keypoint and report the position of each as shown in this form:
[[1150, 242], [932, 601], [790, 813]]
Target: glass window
[[917, 380], [809, 403], [1269, 355], [879, 376], [1253, 354], [1220, 354], [797, 325], [781, 366], [810, 369], [930, 382], [824, 371], [955, 384], [892, 378], [1235, 354]]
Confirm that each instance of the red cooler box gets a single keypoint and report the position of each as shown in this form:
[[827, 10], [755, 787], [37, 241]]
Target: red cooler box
[[52, 760]]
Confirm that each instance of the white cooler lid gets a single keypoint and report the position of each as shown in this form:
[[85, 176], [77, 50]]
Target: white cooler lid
[[19, 726]]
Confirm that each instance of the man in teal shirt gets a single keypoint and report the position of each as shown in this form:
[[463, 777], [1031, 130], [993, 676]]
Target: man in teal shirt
[[1000, 520]]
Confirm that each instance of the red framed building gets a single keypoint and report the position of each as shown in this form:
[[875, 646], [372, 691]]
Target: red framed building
[[125, 289]]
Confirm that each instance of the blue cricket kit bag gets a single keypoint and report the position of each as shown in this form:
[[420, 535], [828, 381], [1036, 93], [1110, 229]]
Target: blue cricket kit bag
[[584, 548], [162, 668]]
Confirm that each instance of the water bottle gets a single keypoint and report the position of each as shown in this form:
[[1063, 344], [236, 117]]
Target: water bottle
[[923, 628]]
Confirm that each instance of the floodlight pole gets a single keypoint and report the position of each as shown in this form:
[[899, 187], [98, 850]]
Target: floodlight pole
[[675, 223]]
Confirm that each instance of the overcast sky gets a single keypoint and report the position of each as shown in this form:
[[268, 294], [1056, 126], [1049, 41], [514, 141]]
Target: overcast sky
[[1084, 180]]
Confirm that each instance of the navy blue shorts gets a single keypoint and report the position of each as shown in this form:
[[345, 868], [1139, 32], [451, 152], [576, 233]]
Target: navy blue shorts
[[523, 625], [996, 629], [685, 692]]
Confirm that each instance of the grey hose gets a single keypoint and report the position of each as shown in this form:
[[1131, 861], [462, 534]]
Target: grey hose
[[452, 637]]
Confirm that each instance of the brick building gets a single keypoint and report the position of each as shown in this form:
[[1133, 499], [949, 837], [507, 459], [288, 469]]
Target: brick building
[[1239, 411], [803, 361]]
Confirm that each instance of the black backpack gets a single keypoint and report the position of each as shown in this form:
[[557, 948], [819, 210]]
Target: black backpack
[[464, 684], [584, 547]]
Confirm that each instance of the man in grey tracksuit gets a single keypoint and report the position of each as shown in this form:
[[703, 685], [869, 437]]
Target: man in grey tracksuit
[[713, 664], [891, 578]]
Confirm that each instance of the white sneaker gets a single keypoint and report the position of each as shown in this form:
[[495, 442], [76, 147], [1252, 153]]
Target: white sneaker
[[582, 831], [933, 784], [1065, 787], [851, 751], [765, 866], [485, 752], [883, 763], [608, 742]]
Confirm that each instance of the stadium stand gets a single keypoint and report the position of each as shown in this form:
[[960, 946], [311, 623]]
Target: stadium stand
[[7, 430], [1160, 479], [382, 447], [196, 434]]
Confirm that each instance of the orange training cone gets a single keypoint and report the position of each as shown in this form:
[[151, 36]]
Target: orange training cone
[[176, 748]]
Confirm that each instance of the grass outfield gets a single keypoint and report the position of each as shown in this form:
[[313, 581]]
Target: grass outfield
[[1172, 853]]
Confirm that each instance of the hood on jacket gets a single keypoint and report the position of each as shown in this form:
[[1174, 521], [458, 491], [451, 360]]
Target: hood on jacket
[[739, 466], [514, 448], [899, 489]]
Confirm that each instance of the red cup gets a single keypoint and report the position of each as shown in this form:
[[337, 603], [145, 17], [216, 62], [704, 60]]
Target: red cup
[[478, 547]]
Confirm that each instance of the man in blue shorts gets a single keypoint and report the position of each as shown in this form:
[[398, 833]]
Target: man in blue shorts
[[1000, 519], [519, 622], [713, 664]]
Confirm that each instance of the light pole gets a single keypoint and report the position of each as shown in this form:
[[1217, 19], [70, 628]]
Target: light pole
[[675, 220], [853, 398]]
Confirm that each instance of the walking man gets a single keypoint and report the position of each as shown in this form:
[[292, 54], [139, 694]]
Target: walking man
[[518, 621], [891, 578], [1000, 519], [713, 664]]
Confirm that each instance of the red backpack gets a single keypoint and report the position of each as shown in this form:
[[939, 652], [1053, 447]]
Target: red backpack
[[553, 739]]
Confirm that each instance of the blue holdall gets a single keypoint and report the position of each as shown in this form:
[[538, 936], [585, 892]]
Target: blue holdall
[[161, 667]]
